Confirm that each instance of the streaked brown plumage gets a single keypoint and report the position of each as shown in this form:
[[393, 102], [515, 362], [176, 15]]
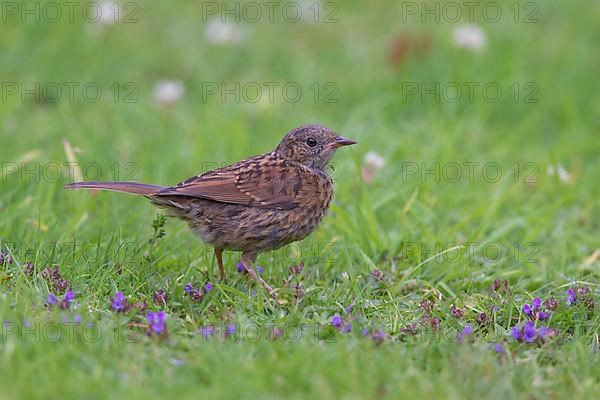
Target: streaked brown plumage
[[261, 203]]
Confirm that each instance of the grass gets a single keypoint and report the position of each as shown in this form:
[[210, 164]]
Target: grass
[[384, 248]]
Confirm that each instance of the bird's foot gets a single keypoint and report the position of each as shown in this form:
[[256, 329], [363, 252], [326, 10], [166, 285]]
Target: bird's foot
[[270, 291], [247, 265]]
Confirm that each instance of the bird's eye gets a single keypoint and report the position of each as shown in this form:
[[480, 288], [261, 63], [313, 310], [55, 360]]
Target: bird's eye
[[312, 142]]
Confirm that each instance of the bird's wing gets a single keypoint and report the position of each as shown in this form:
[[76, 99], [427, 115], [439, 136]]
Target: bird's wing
[[263, 181]]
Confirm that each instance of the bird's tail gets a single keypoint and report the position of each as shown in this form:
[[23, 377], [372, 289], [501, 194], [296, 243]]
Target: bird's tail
[[125, 187]]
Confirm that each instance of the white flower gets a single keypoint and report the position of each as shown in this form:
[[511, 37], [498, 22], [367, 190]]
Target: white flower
[[469, 37], [373, 162], [168, 92], [108, 12], [220, 32], [563, 174]]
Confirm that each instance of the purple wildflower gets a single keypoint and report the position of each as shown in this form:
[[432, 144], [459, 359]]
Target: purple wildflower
[[543, 315], [276, 333], [457, 312], [516, 334], [377, 274], [119, 303], [529, 332], [141, 306], [580, 295], [498, 348], [500, 286], [208, 287], [240, 267], [77, 319], [51, 299], [426, 305], [65, 303], [195, 293], [378, 336], [61, 285], [54, 279], [29, 268], [160, 297], [259, 269], [188, 289], [300, 292], [336, 321], [230, 330], [69, 296], [348, 309], [583, 290], [481, 318], [156, 323], [537, 302], [347, 328], [410, 329], [527, 309], [207, 331], [466, 333], [543, 331], [5, 258], [551, 303], [297, 269], [364, 331]]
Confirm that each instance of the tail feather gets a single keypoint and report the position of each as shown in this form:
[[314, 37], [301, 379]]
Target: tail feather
[[125, 187]]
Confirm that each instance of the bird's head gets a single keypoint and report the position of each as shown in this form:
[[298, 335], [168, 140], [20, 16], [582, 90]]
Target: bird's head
[[311, 145]]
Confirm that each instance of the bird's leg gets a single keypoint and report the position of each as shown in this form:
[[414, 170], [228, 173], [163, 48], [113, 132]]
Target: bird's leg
[[247, 259], [219, 257]]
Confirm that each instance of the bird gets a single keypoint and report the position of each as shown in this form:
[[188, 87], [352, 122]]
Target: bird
[[258, 204]]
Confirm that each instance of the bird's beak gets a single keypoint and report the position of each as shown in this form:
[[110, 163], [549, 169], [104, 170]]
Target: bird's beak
[[342, 141]]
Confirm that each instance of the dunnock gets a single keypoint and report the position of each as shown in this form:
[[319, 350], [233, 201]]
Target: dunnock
[[261, 203]]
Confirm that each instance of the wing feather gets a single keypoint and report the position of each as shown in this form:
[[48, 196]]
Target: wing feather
[[263, 181]]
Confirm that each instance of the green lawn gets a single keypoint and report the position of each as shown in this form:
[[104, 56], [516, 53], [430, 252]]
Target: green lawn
[[486, 201]]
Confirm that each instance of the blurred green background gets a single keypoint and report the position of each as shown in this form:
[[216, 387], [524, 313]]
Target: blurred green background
[[162, 91]]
